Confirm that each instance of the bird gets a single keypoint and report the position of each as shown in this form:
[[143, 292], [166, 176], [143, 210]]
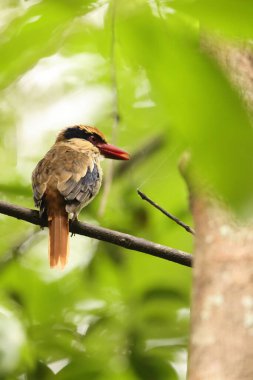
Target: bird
[[67, 179]]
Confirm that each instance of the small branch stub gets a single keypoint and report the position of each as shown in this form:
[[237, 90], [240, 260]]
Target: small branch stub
[[172, 217]]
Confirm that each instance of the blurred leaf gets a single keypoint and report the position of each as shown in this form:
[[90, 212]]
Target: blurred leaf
[[205, 111], [14, 346], [148, 366], [230, 18], [35, 34]]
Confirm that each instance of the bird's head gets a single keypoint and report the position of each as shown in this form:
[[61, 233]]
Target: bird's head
[[95, 137]]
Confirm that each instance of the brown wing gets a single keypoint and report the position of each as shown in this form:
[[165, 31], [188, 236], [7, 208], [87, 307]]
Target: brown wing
[[72, 173]]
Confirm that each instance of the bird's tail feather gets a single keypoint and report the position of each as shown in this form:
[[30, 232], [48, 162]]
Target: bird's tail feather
[[58, 234], [58, 239]]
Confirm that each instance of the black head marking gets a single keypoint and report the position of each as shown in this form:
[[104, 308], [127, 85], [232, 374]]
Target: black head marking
[[81, 133], [76, 133]]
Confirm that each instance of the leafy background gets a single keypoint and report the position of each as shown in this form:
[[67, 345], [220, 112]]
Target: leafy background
[[113, 314]]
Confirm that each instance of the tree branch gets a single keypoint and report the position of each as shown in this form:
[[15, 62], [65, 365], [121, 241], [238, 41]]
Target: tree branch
[[118, 238]]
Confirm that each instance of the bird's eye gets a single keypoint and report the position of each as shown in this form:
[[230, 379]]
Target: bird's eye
[[92, 139]]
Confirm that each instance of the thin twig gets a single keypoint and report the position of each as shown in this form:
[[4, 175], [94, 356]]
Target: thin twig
[[115, 112], [172, 217], [18, 249], [145, 151], [118, 238]]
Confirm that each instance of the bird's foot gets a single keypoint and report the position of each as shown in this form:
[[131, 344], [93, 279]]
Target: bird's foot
[[73, 220]]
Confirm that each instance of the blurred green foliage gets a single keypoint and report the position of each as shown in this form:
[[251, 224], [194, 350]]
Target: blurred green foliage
[[113, 314]]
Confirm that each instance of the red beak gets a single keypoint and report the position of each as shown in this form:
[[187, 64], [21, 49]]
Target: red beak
[[111, 151]]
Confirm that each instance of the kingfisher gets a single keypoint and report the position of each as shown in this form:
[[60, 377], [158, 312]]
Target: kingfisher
[[67, 179]]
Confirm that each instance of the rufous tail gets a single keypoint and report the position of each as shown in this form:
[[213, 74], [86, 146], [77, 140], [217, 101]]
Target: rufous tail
[[58, 230]]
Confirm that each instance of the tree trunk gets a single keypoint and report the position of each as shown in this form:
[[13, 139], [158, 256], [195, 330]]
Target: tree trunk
[[221, 342]]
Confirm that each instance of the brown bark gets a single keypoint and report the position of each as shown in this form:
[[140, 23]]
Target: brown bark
[[221, 343]]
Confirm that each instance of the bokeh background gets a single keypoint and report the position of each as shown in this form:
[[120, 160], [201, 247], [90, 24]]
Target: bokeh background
[[140, 72]]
